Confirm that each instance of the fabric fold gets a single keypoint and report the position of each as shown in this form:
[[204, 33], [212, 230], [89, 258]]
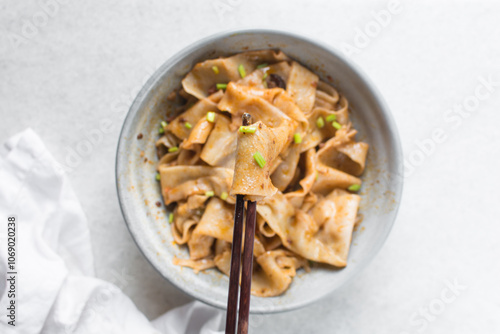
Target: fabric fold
[[56, 291]]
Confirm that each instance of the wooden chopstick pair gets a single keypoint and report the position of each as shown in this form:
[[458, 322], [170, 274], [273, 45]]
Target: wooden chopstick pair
[[247, 259]]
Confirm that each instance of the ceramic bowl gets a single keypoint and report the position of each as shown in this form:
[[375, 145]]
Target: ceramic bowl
[[138, 191]]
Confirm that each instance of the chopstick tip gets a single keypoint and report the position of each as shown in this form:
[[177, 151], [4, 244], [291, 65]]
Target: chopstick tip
[[247, 119]]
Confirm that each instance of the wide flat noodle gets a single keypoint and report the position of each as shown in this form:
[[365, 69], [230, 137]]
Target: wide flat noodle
[[275, 272], [315, 135], [327, 97], [280, 99], [179, 182], [165, 142], [250, 179], [239, 100], [285, 103], [342, 111], [257, 78], [335, 228], [196, 265], [223, 256], [301, 86], [285, 172], [196, 202], [331, 178], [263, 228], [297, 197], [220, 148], [270, 243], [189, 156], [168, 159], [202, 78], [343, 153], [185, 220], [323, 234], [217, 220], [356, 152], [192, 116], [199, 134], [277, 212], [200, 246]]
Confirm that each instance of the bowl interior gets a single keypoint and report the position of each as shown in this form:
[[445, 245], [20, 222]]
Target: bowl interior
[[138, 191]]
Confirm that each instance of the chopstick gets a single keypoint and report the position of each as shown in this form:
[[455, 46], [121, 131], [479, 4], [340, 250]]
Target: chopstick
[[234, 273], [247, 265]]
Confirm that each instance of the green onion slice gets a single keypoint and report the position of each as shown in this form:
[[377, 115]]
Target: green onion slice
[[221, 86], [320, 122], [297, 139], [211, 116], [337, 125], [224, 195], [173, 149], [331, 118], [247, 129], [354, 187], [259, 159], [241, 69], [215, 69]]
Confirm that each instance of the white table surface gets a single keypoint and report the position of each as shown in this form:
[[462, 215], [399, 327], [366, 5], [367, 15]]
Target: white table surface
[[86, 62]]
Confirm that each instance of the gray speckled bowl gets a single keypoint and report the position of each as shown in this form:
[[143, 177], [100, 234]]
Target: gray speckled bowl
[[138, 191]]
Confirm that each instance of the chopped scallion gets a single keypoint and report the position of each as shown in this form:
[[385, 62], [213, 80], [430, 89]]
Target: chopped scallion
[[320, 122], [297, 139], [224, 195], [209, 193], [241, 69], [221, 86], [163, 124], [211, 116], [262, 65], [215, 69], [264, 76], [170, 217], [188, 125], [173, 149], [337, 125], [247, 129], [161, 130], [354, 187], [259, 159], [331, 118], [157, 177]]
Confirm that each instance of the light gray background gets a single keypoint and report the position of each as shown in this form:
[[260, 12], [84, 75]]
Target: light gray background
[[83, 64]]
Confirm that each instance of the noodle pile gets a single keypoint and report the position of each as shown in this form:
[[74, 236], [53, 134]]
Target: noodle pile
[[305, 183]]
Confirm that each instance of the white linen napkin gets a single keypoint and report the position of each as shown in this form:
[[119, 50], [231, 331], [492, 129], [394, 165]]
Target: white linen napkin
[[56, 291]]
